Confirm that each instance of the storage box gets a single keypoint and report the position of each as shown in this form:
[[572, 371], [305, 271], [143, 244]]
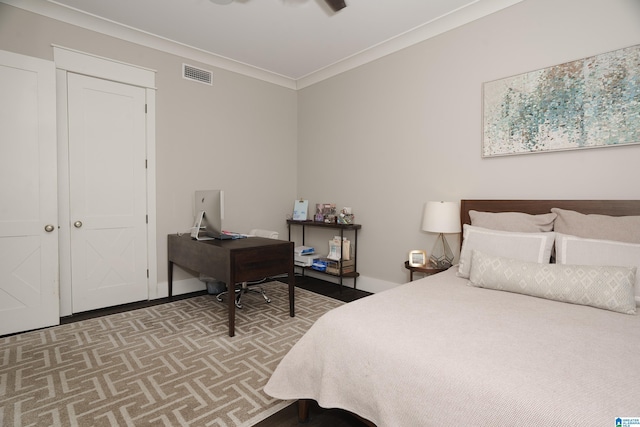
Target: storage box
[[333, 267]]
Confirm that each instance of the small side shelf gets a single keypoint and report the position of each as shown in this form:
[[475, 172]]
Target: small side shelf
[[427, 270], [353, 228]]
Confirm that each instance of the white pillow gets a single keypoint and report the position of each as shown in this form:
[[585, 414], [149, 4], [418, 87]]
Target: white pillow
[[513, 221], [534, 247], [594, 226], [606, 287], [578, 250]]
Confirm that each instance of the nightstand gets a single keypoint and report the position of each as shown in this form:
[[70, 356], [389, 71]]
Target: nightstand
[[424, 270]]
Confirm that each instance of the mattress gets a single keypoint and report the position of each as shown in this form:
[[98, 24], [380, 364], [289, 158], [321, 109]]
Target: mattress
[[437, 351]]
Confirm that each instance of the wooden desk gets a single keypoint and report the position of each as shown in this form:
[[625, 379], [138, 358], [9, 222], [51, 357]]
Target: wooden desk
[[233, 262]]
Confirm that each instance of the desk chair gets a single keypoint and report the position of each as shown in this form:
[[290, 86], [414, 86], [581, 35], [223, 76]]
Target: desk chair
[[246, 286]]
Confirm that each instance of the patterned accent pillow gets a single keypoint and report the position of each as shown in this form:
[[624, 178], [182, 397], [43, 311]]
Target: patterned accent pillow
[[607, 287], [534, 247], [513, 221]]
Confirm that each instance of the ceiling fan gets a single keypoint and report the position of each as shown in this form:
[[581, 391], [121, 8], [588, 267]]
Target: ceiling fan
[[335, 5]]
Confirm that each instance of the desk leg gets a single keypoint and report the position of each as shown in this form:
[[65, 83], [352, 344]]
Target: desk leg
[[292, 286], [231, 292], [170, 280]]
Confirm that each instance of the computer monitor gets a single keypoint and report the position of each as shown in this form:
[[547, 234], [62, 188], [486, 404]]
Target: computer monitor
[[209, 211]]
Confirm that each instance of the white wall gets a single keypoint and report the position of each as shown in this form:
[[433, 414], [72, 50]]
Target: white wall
[[382, 138], [239, 134], [390, 135]]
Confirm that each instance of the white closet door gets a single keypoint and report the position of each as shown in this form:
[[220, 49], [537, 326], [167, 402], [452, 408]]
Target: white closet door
[[107, 194], [28, 194]]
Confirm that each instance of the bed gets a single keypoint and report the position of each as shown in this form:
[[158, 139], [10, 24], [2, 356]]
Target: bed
[[481, 350]]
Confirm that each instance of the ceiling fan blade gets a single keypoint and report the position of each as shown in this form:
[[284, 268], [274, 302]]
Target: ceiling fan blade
[[336, 5], [222, 1]]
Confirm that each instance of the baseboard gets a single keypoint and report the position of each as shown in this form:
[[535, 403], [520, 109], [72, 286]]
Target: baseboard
[[180, 287], [364, 283], [373, 285]]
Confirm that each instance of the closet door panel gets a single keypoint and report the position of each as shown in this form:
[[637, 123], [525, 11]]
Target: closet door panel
[[28, 194]]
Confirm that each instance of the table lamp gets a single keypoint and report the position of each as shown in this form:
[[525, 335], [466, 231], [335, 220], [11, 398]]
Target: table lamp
[[441, 217]]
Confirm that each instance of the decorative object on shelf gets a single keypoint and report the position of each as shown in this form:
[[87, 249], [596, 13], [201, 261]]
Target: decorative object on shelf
[[441, 217], [325, 212], [339, 249], [588, 103], [300, 208], [345, 216], [417, 258]]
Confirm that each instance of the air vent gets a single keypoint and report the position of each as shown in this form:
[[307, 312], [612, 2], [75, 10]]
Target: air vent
[[197, 74]]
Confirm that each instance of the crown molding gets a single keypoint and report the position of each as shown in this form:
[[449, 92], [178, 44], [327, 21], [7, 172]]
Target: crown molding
[[435, 27], [457, 18], [53, 10]]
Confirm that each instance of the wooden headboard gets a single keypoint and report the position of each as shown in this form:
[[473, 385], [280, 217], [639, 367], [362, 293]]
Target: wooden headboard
[[602, 207]]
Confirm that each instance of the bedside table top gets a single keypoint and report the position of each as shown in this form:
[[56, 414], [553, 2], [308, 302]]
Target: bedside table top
[[426, 269]]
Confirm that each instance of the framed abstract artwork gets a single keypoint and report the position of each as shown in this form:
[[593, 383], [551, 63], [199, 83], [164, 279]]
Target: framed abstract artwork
[[588, 103]]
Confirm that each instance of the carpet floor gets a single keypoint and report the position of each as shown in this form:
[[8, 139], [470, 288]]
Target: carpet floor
[[171, 364]]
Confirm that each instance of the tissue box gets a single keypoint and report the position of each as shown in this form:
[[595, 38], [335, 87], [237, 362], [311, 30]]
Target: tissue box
[[319, 264]]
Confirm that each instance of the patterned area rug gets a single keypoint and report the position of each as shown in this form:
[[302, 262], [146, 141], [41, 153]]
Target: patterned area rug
[[168, 365]]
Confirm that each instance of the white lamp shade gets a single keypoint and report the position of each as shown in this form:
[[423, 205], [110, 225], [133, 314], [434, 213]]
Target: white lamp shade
[[441, 217]]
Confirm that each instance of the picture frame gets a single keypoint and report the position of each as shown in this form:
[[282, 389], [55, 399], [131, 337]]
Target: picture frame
[[586, 103], [300, 210], [417, 258]]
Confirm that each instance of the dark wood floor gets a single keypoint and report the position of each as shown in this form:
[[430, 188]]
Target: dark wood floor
[[346, 293], [318, 417], [322, 287]]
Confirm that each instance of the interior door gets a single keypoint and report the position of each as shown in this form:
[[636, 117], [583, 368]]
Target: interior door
[[28, 194], [107, 194]]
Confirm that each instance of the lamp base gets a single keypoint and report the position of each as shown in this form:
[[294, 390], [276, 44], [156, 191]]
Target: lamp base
[[441, 254]]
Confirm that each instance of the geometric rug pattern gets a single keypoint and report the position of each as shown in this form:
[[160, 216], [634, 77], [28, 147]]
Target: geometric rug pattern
[[171, 364]]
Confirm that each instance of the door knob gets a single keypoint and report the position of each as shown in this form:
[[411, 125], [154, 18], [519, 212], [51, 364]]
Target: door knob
[[77, 224], [49, 228]]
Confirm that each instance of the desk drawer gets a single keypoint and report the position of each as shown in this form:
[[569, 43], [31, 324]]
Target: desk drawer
[[256, 263]]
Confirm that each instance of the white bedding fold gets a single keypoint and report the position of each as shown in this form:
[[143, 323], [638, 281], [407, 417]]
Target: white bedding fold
[[438, 352]]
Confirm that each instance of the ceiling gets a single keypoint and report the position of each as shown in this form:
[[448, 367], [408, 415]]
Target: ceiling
[[291, 42]]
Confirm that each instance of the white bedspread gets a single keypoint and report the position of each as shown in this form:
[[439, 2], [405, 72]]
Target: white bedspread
[[438, 352]]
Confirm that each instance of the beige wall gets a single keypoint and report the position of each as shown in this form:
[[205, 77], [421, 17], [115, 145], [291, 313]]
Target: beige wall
[[239, 134], [392, 134], [383, 138]]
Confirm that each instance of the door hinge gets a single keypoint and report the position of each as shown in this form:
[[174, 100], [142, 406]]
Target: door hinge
[[147, 273], [145, 108], [146, 164], [147, 219]]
